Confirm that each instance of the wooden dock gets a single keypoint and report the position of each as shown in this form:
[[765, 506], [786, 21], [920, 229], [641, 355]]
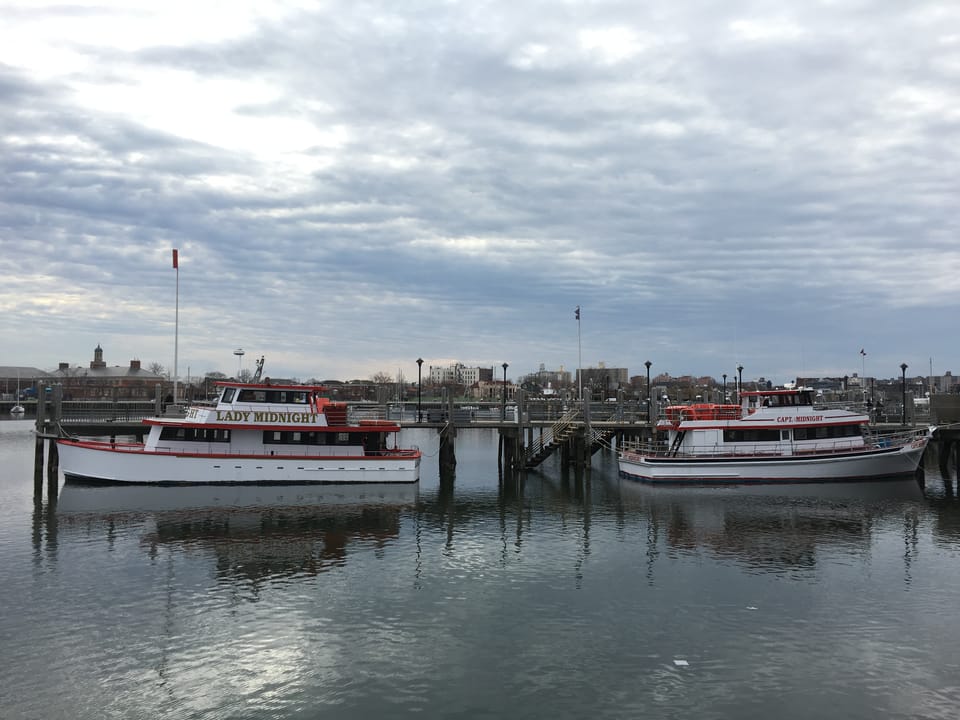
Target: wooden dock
[[530, 429]]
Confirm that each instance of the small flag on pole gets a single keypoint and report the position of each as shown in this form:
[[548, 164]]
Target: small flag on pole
[[175, 265], [863, 352], [576, 314]]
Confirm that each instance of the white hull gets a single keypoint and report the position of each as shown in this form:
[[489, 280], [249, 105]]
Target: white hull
[[100, 462], [834, 467]]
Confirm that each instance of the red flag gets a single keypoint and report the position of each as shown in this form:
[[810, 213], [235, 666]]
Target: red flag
[[175, 259]]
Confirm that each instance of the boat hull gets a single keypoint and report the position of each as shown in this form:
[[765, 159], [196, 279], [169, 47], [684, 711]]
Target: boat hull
[[110, 463], [866, 465]]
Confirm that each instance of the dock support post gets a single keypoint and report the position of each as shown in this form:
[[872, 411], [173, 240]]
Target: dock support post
[[579, 452], [946, 446], [448, 434], [448, 451], [509, 441], [38, 468], [38, 454]]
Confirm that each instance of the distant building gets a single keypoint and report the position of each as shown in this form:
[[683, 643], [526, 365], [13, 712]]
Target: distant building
[[26, 377], [459, 374], [602, 380], [99, 382], [547, 382]]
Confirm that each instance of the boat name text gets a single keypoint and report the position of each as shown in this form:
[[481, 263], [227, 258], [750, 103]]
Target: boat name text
[[800, 418], [265, 416]]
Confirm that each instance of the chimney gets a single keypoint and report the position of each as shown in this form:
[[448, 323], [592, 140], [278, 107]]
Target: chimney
[[134, 364]]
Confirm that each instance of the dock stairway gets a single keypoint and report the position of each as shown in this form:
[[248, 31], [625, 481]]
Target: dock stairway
[[557, 434]]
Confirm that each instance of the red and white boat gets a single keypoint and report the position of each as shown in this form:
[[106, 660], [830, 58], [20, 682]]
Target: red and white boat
[[773, 436], [254, 433]]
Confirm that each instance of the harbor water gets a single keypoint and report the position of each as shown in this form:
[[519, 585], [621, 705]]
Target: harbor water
[[551, 596]]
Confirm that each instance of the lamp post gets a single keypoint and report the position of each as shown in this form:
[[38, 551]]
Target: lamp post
[[503, 407], [419, 386], [723, 398], [739, 382], [647, 364], [903, 393]]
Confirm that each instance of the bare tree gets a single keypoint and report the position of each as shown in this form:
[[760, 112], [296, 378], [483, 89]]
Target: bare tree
[[382, 378], [157, 369]]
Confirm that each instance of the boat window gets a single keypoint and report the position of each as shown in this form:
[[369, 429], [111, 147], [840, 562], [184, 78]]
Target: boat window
[[257, 396], [228, 394], [293, 437], [200, 434], [753, 436], [826, 433]]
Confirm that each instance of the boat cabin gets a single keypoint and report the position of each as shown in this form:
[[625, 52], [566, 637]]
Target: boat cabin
[[270, 420], [782, 422]]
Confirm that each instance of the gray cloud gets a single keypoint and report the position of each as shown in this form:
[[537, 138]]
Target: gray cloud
[[712, 184]]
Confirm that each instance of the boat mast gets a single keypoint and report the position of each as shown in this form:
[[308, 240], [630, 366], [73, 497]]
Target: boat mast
[[176, 326]]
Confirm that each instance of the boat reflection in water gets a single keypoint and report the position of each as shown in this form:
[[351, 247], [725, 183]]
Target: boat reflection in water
[[253, 532], [774, 528]]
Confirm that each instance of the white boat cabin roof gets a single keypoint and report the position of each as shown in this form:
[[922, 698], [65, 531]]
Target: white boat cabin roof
[[266, 392], [779, 397]]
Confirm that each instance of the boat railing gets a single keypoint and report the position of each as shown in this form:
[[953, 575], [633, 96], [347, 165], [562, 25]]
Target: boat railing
[[896, 438], [872, 440], [289, 451]]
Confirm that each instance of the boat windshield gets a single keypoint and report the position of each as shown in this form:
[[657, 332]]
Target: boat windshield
[[264, 395], [793, 399], [228, 393]]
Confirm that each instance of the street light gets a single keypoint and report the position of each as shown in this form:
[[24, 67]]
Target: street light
[[648, 364], [723, 399], [503, 409], [419, 411], [903, 393], [739, 382]]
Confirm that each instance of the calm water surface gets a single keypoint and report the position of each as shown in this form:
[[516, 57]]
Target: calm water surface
[[547, 597]]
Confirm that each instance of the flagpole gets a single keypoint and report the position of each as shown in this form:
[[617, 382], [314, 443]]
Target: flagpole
[[176, 326], [863, 374], [579, 356]]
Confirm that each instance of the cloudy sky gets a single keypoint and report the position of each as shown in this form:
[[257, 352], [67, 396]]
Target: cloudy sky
[[353, 184]]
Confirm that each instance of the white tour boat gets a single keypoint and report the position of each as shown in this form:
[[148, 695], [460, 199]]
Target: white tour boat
[[772, 436], [255, 433]]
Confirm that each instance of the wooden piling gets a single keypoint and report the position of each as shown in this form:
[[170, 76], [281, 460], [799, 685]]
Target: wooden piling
[[38, 453], [448, 451], [945, 448]]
